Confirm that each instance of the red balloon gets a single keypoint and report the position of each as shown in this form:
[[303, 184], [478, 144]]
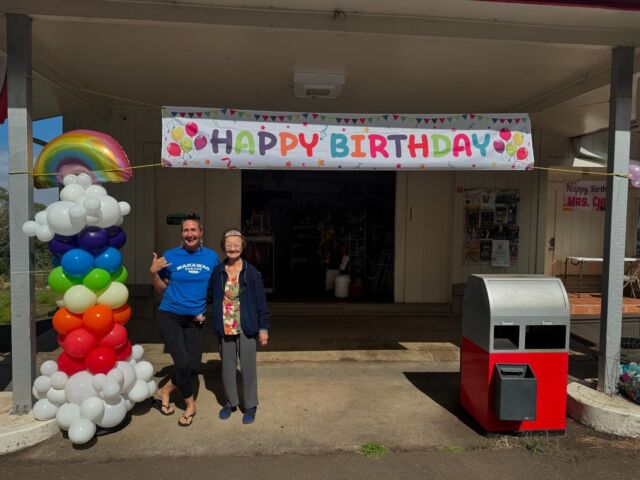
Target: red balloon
[[116, 338], [70, 365], [124, 352], [101, 360], [79, 342], [61, 340]]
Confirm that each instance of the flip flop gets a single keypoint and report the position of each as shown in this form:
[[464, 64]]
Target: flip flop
[[161, 407], [186, 420]]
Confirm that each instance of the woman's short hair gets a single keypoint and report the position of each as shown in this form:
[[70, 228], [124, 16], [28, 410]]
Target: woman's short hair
[[233, 232], [191, 217]]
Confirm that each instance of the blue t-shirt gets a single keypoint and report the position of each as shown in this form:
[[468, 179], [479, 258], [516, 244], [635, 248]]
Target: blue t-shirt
[[188, 277]]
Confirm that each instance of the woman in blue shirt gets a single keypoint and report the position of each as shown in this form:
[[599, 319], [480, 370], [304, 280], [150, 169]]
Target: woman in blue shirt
[[182, 275]]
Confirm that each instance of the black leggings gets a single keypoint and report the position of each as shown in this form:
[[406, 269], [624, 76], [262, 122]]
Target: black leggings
[[183, 339]]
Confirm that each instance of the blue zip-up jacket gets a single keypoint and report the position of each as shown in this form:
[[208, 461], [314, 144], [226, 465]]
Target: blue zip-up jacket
[[254, 312]]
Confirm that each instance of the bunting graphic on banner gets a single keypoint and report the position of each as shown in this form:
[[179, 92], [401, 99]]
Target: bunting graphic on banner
[[230, 138]]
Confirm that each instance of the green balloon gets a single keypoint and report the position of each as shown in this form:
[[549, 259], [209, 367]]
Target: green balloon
[[511, 149], [96, 279], [120, 275], [59, 281]]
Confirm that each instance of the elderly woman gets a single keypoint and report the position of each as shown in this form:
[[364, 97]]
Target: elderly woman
[[182, 275], [241, 321]]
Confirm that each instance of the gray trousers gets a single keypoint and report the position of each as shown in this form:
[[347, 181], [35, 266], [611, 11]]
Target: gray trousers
[[231, 347]]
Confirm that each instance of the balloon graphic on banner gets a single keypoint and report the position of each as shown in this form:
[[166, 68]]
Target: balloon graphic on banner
[[93, 382]]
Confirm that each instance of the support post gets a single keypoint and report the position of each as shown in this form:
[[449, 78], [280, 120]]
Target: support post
[[615, 218], [23, 331]]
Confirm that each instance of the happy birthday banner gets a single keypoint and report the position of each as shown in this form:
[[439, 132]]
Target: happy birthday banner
[[228, 138]]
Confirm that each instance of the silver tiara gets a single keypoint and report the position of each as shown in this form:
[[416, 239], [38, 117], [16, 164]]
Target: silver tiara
[[232, 233]]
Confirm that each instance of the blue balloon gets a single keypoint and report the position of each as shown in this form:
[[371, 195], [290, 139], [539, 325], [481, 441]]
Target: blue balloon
[[109, 260], [77, 263]]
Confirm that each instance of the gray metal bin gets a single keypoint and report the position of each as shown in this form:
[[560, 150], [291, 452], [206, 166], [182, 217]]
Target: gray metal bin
[[516, 313]]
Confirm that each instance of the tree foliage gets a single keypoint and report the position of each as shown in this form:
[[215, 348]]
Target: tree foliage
[[42, 257]]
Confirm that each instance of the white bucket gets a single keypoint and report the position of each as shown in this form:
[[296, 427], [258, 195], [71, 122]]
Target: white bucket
[[342, 286], [330, 277]]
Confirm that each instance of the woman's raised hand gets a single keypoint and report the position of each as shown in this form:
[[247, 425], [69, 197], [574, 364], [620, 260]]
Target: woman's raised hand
[[158, 264]]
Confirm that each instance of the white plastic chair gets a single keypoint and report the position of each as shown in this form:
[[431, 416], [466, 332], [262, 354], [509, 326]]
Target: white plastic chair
[[632, 278]]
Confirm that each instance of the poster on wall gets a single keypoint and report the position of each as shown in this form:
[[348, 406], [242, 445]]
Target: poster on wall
[[244, 139], [585, 196], [491, 227]]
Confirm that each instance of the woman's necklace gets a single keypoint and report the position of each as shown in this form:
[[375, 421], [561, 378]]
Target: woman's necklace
[[233, 271]]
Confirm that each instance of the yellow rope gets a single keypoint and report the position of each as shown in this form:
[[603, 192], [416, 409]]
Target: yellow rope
[[566, 170]]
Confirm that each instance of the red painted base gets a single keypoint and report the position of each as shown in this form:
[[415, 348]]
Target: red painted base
[[476, 392]]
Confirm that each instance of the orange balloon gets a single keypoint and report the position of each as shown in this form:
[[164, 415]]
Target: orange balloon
[[98, 319], [122, 315], [64, 321]]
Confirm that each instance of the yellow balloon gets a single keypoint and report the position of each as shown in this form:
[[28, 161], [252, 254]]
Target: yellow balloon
[[114, 296], [78, 299], [517, 138], [177, 133], [511, 149], [186, 144]]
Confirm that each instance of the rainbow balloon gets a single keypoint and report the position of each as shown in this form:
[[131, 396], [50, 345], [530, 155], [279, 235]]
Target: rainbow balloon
[[81, 151]]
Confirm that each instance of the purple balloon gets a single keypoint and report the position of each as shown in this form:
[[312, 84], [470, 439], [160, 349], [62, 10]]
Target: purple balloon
[[71, 239], [117, 237], [93, 239], [58, 247]]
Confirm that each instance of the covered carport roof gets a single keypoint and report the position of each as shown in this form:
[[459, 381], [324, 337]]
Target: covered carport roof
[[403, 56]]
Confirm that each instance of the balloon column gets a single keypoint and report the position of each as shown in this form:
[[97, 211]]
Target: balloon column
[[99, 375]]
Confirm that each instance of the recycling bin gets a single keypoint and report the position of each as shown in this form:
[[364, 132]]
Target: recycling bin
[[514, 354]]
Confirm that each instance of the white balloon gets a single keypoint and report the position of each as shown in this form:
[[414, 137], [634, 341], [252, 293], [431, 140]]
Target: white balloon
[[110, 391], [139, 391], [81, 431], [67, 414], [37, 394], [59, 219], [30, 228], [92, 408], [137, 352], [91, 220], [115, 295], [56, 396], [85, 179], [78, 213], [125, 208], [42, 384], [109, 211], [71, 193], [59, 379], [129, 375], [41, 217], [119, 222], [79, 298], [96, 191], [44, 233], [80, 387], [113, 414], [92, 205], [152, 387], [69, 179], [44, 410], [49, 367], [98, 382], [132, 361], [128, 403], [117, 376], [144, 371]]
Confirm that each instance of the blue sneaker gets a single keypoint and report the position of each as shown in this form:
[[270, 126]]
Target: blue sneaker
[[226, 412], [249, 416]]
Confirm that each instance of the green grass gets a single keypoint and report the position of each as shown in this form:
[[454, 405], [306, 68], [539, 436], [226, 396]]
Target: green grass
[[45, 303], [453, 449], [373, 450], [540, 444]]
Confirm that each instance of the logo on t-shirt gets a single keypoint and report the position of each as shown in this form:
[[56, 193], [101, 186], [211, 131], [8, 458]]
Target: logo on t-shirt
[[194, 268]]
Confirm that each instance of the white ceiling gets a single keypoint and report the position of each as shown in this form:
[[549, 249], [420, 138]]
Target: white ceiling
[[92, 63]]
